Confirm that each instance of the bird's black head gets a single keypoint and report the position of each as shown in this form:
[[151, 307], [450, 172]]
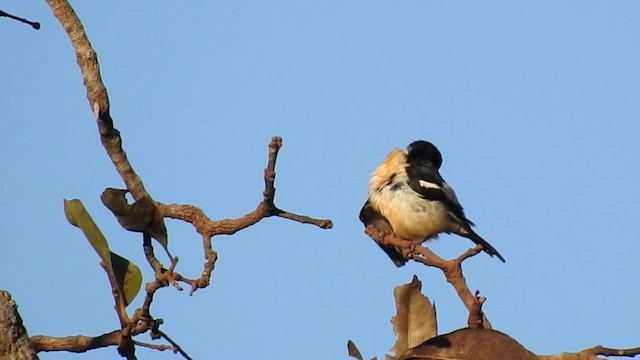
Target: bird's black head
[[421, 150]]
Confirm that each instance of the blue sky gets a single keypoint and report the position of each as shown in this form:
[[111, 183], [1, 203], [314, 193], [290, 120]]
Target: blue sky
[[534, 105]]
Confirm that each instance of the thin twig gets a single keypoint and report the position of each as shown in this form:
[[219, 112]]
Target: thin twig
[[34, 24], [175, 345], [159, 347], [118, 297], [266, 208]]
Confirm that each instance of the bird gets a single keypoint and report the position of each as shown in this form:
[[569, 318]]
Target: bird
[[409, 198]]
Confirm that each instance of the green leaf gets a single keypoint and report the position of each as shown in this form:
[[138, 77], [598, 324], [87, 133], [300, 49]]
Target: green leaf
[[128, 276], [78, 216]]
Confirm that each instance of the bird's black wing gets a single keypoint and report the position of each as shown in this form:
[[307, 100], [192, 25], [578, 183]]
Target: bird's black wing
[[426, 181], [370, 216]]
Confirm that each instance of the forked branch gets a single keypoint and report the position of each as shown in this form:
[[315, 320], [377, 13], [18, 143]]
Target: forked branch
[[142, 321], [452, 269]]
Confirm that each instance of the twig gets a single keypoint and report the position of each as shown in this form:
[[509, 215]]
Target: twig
[[34, 24], [211, 257], [117, 297], [475, 313], [159, 347], [175, 345]]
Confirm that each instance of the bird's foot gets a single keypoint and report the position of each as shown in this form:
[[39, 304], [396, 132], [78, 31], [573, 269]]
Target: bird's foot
[[409, 252]]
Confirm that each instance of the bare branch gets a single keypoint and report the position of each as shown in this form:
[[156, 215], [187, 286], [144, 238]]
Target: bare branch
[[80, 344], [266, 208], [76, 344], [592, 354], [99, 101], [475, 314], [159, 347], [603, 351], [142, 321], [97, 95], [452, 269], [175, 345]]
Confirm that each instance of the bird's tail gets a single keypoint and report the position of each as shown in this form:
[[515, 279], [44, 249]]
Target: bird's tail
[[394, 254], [486, 247]]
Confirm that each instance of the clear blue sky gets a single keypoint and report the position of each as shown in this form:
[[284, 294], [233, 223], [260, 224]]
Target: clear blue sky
[[535, 106]]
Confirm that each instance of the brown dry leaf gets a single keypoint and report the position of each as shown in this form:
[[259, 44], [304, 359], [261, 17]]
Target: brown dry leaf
[[415, 320], [141, 216], [353, 350], [470, 344]]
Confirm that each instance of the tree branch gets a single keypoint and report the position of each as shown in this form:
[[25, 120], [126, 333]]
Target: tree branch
[[76, 344], [452, 269], [87, 60], [266, 208], [592, 354], [476, 316], [80, 343], [98, 98], [175, 345]]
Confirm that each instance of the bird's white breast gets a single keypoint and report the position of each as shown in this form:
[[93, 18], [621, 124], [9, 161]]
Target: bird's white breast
[[411, 216]]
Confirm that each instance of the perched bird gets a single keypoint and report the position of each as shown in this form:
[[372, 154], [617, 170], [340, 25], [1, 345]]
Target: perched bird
[[408, 197]]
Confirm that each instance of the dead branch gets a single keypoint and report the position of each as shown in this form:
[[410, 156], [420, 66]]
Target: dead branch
[[87, 60], [76, 344], [174, 344], [99, 100], [80, 343], [592, 354], [452, 269], [266, 208], [110, 137], [476, 315], [603, 351], [142, 320]]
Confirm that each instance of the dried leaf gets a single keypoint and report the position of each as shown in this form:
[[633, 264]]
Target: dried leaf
[[78, 216], [128, 277], [470, 344], [353, 350], [415, 320], [142, 216]]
